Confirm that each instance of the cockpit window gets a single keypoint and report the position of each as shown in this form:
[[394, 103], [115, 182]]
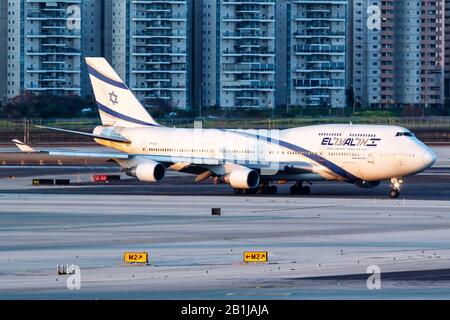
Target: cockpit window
[[406, 134]]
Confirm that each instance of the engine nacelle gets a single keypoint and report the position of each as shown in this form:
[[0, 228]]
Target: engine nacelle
[[367, 184], [149, 171], [243, 179]]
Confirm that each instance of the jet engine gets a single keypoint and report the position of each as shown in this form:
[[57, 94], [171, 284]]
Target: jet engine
[[149, 171], [243, 179]]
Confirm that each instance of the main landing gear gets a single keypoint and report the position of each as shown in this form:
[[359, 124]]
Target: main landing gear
[[299, 188], [395, 188], [264, 188]]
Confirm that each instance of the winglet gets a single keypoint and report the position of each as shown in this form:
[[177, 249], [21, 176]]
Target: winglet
[[23, 147]]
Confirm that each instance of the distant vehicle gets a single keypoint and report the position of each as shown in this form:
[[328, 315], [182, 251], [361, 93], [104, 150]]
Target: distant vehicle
[[249, 161]]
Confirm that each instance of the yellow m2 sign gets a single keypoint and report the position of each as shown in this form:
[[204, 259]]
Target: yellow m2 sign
[[135, 257], [261, 256]]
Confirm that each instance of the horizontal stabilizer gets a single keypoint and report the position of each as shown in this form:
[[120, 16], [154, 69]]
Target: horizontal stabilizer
[[95, 136], [23, 147]]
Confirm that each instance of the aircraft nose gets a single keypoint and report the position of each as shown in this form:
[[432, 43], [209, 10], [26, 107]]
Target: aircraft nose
[[429, 158]]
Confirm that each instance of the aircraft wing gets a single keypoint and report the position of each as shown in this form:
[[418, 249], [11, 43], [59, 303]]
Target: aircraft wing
[[124, 156], [86, 134], [96, 155], [207, 163]]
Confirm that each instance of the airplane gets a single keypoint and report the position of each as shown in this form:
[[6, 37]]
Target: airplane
[[250, 161]]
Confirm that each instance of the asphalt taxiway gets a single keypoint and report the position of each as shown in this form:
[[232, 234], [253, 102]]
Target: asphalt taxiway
[[319, 245], [434, 184]]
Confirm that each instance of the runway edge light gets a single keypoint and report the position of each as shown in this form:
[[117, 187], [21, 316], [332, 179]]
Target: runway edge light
[[261, 256], [135, 257]]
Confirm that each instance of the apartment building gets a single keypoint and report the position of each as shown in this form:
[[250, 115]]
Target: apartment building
[[46, 43], [398, 57], [152, 49], [239, 53], [317, 45]]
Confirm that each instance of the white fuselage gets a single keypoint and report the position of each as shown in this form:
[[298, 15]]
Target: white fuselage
[[332, 152]]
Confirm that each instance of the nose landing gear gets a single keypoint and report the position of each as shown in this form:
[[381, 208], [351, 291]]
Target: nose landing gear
[[395, 188]]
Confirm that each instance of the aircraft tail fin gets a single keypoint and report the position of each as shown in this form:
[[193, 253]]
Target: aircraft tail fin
[[116, 103]]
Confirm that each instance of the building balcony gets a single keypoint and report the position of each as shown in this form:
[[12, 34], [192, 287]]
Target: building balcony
[[320, 16], [315, 3], [158, 79], [52, 70], [249, 68], [54, 33], [43, 87], [158, 52], [154, 71], [160, 17], [257, 2], [247, 35], [330, 70], [264, 86], [44, 52], [159, 34], [320, 34], [153, 2], [250, 54], [164, 88], [248, 97], [310, 84], [51, 79], [319, 49], [249, 18]]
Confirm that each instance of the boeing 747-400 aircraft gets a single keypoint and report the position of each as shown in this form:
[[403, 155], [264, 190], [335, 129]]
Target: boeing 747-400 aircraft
[[250, 161]]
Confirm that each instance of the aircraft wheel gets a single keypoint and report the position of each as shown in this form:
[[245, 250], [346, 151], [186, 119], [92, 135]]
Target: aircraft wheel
[[306, 190], [265, 190], [393, 194], [273, 190], [294, 189]]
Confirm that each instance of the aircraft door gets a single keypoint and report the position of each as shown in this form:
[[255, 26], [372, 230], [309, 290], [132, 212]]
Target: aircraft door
[[371, 157]]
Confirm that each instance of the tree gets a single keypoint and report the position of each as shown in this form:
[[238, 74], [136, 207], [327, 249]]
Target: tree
[[29, 105]]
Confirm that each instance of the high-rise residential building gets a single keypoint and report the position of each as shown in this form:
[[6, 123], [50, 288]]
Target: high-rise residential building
[[152, 49], [239, 53], [107, 30], [447, 51], [398, 52], [349, 53], [197, 53], [3, 49], [317, 45], [92, 37], [46, 43], [281, 54]]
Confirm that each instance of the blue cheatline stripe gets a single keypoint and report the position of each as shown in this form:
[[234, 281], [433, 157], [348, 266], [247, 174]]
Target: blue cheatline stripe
[[121, 116], [104, 78], [322, 161]]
